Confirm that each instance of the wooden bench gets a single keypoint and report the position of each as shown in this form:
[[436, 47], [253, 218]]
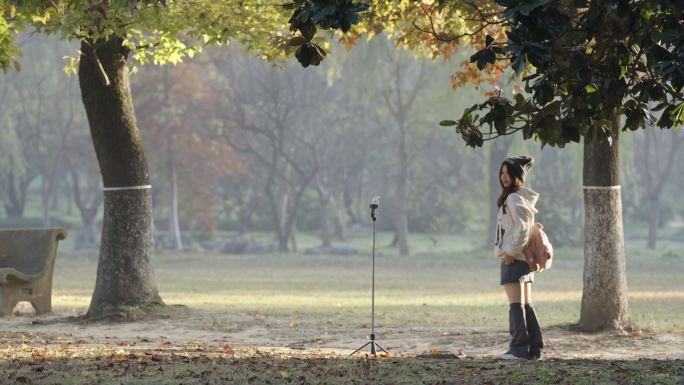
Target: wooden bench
[[27, 258]]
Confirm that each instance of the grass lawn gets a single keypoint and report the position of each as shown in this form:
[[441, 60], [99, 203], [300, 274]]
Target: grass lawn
[[448, 285], [456, 282]]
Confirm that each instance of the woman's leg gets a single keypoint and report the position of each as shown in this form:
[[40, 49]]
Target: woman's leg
[[513, 292], [533, 329], [520, 342]]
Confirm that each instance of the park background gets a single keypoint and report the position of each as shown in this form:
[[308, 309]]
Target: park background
[[261, 189]]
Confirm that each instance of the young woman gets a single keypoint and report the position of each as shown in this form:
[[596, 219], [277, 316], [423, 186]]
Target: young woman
[[514, 221]]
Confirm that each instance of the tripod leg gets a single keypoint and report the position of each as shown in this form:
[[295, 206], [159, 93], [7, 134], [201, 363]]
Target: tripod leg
[[381, 348], [364, 345]]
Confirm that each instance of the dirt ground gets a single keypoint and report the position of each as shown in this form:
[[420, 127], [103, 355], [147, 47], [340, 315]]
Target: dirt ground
[[315, 334]]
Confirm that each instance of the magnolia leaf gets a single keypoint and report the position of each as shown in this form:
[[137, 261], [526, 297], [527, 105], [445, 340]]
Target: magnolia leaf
[[297, 41]]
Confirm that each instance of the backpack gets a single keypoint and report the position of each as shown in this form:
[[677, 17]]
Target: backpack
[[538, 250]]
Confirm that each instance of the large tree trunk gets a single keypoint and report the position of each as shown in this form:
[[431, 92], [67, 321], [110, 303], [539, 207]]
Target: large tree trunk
[[604, 299], [125, 284]]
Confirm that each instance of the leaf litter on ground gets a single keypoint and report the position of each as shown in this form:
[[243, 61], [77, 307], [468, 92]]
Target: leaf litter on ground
[[34, 359]]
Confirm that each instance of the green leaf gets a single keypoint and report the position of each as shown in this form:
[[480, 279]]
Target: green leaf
[[657, 53], [296, 41], [590, 88], [323, 11], [543, 92], [519, 64], [570, 131], [677, 77], [519, 100], [677, 114], [527, 7], [482, 57], [308, 30], [447, 123], [310, 54]]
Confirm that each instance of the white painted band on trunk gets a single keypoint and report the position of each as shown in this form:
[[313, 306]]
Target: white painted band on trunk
[[144, 187], [602, 187]]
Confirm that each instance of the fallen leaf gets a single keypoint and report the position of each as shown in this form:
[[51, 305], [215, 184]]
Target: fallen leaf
[[228, 350]]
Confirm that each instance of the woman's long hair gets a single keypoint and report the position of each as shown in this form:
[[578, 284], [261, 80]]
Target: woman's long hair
[[516, 176]]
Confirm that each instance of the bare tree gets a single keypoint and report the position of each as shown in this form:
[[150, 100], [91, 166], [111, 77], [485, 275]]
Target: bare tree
[[656, 153], [271, 115], [404, 83]]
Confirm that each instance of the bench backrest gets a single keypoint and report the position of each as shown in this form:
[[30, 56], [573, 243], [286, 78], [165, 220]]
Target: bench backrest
[[29, 250]]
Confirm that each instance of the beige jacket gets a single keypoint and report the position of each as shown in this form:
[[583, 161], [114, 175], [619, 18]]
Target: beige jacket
[[514, 221]]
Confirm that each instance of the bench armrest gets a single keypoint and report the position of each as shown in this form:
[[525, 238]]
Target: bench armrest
[[7, 272]]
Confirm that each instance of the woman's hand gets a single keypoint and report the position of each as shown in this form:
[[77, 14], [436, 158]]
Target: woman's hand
[[508, 259]]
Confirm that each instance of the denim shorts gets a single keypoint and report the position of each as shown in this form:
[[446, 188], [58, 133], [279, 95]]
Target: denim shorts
[[517, 272]]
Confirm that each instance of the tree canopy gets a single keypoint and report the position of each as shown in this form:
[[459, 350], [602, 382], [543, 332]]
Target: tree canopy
[[583, 62], [155, 31]]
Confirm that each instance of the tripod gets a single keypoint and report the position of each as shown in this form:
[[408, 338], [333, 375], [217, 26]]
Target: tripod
[[373, 345]]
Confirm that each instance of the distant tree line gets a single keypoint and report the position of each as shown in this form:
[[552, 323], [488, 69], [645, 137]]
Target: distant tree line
[[237, 144]]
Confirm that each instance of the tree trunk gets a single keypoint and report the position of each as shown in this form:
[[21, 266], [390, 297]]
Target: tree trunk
[[402, 199], [653, 219], [174, 222], [45, 197], [15, 195], [290, 215], [244, 213], [324, 219], [54, 195], [604, 299], [86, 238], [283, 236], [69, 199], [348, 202], [125, 285], [340, 228], [656, 169], [293, 237]]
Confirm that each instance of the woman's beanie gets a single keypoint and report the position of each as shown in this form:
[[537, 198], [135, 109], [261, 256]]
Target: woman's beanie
[[520, 164]]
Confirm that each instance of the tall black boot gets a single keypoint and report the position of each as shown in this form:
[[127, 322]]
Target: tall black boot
[[534, 332], [520, 341]]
